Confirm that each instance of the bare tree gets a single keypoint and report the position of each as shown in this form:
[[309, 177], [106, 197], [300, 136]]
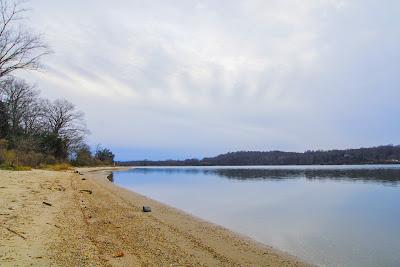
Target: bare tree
[[3, 120], [19, 48], [64, 121], [19, 99], [33, 120]]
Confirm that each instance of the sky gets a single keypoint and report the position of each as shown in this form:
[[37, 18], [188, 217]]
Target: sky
[[163, 79]]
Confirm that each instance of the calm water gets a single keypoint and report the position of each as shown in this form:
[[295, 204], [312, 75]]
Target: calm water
[[329, 215]]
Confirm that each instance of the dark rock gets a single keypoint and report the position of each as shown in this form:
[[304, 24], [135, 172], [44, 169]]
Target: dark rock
[[146, 209]]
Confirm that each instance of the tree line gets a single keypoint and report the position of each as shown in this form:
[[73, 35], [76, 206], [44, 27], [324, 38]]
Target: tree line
[[34, 130], [374, 155]]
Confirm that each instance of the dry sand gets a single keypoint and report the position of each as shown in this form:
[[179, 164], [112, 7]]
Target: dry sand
[[105, 226]]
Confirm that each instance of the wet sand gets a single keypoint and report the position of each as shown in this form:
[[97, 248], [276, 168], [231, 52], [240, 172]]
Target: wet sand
[[66, 219]]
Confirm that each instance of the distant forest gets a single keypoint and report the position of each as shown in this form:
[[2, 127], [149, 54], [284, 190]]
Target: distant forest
[[389, 154]]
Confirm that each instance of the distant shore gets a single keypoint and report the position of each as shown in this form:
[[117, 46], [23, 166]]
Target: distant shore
[[70, 219], [388, 154]]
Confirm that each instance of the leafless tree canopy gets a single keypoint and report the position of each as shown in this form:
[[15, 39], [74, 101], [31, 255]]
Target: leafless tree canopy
[[19, 99], [33, 119], [62, 119], [30, 123], [19, 48]]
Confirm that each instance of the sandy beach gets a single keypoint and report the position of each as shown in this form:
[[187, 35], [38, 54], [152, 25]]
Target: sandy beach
[[66, 219]]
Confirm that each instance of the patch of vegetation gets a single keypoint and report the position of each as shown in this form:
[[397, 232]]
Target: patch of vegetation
[[15, 168], [22, 168], [58, 167], [6, 167]]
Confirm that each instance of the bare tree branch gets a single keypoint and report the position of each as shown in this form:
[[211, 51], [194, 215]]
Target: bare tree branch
[[19, 99], [19, 48], [63, 120]]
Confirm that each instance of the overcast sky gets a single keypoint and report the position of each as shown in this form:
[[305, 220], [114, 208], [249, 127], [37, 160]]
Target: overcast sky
[[176, 79]]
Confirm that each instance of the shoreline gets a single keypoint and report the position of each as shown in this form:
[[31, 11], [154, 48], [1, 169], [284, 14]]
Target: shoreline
[[102, 224], [191, 216]]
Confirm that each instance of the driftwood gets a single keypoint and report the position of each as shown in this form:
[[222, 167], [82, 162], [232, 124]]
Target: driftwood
[[87, 191], [15, 233], [118, 254], [48, 204]]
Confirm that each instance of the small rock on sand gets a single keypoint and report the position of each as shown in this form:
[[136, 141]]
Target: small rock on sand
[[146, 209]]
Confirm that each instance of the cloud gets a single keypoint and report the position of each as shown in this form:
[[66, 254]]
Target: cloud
[[209, 76]]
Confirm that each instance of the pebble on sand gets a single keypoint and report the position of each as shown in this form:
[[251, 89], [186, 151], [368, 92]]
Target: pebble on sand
[[146, 209]]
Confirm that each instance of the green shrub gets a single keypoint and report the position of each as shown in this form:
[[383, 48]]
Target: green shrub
[[6, 167]]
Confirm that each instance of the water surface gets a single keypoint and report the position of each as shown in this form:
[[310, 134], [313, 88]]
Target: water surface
[[327, 215]]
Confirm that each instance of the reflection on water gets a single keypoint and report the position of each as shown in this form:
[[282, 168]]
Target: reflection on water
[[327, 215], [390, 176]]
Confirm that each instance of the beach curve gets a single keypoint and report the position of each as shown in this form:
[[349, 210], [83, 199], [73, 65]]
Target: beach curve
[[92, 222]]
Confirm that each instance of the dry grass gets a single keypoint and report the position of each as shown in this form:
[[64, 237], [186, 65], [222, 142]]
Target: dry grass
[[15, 168], [22, 168], [58, 167]]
